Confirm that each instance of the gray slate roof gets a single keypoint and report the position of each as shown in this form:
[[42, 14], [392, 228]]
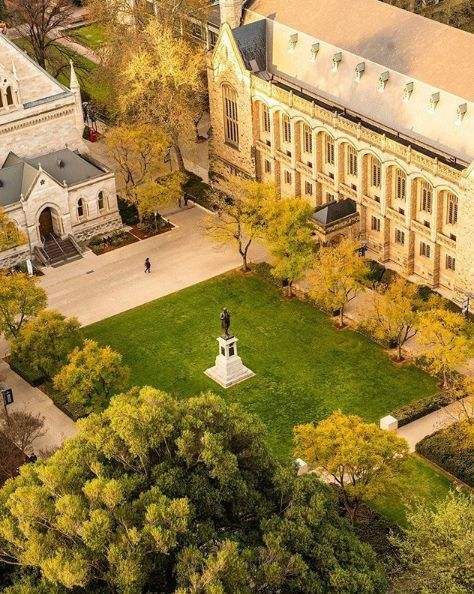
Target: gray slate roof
[[252, 42], [334, 211], [65, 166]]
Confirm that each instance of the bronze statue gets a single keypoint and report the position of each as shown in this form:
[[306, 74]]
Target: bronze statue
[[225, 323]]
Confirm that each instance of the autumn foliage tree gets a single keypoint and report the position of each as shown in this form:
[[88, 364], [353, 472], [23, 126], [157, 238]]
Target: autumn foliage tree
[[10, 235], [177, 496], [362, 459], [336, 276], [91, 376], [21, 298], [443, 342], [395, 313]]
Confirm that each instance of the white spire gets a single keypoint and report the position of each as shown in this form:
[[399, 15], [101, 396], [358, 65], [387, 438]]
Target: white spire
[[73, 82]]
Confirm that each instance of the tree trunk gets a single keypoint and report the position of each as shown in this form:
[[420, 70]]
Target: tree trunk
[[399, 348], [341, 316], [179, 156]]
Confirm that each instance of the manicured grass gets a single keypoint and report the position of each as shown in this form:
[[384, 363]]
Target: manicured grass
[[92, 35], [304, 367]]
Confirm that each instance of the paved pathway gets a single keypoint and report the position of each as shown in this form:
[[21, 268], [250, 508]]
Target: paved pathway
[[97, 287], [57, 425]]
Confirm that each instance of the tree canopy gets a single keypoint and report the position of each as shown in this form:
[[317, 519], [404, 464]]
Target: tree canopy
[[10, 235], [166, 495], [20, 299]]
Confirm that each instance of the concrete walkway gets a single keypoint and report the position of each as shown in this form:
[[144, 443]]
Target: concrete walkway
[[97, 287], [57, 425], [417, 430]]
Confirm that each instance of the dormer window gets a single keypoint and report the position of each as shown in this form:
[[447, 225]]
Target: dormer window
[[383, 80], [293, 41], [359, 71], [434, 100], [314, 51], [336, 60], [461, 112], [408, 91]]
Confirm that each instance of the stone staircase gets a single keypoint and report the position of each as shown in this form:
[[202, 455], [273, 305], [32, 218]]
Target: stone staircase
[[59, 251]]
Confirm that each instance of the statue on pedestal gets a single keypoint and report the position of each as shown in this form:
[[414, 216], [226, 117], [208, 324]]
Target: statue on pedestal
[[225, 322]]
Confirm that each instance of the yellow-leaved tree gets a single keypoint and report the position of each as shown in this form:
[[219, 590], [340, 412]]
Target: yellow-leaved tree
[[394, 314], [443, 341], [336, 277], [10, 235]]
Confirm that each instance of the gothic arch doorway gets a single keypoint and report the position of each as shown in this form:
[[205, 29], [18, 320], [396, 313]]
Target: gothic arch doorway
[[48, 223]]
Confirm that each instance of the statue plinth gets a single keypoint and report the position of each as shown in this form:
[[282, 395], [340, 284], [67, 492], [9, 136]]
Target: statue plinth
[[229, 369]]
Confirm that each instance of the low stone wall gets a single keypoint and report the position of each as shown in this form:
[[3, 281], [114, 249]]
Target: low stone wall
[[99, 227], [14, 256]]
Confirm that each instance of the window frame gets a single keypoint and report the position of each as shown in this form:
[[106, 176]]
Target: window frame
[[352, 161], [329, 150], [376, 173], [285, 128], [231, 115], [451, 208], [426, 197]]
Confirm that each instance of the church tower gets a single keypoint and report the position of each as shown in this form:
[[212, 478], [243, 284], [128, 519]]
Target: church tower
[[231, 12]]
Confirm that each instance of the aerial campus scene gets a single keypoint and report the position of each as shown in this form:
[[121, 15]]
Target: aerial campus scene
[[237, 296]]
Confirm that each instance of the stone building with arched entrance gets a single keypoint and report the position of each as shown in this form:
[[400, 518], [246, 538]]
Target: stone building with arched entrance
[[49, 185]]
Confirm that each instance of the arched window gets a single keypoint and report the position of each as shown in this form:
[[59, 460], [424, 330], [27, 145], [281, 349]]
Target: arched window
[[286, 126], [400, 185], [307, 139], [1, 100], [376, 173], [9, 96], [351, 160], [80, 208], [451, 208], [231, 121], [426, 196], [329, 149], [265, 118], [101, 201]]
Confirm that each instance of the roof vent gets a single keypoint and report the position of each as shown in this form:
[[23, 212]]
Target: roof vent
[[293, 41], [461, 112], [61, 164], [336, 60], [314, 51], [383, 79], [434, 100], [359, 71], [408, 91]]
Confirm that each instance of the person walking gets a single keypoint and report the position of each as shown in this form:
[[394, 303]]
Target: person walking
[[147, 266]]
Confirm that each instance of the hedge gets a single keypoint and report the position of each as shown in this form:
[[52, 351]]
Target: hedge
[[452, 448], [419, 408]]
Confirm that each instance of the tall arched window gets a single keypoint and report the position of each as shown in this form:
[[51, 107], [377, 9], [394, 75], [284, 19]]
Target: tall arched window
[[351, 160], [80, 208], [100, 201], [286, 127], [231, 121], [451, 208], [400, 185], [329, 149], [265, 118], [426, 196], [9, 95], [376, 173], [307, 139]]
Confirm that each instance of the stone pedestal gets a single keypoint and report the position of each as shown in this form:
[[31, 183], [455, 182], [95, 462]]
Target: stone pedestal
[[389, 423], [229, 369]]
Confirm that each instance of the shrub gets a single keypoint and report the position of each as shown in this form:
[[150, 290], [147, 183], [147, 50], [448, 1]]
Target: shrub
[[419, 408], [452, 448]]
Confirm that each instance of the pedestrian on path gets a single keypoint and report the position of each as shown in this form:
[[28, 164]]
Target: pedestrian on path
[[147, 266]]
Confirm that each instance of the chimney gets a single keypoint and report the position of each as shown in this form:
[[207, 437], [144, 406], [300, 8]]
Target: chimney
[[231, 12]]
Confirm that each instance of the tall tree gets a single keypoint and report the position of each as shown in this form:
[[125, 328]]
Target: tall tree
[[10, 235], [42, 22], [239, 216], [166, 495], [287, 233], [394, 314], [362, 459], [43, 343], [20, 299], [336, 276], [436, 548], [443, 342], [92, 375]]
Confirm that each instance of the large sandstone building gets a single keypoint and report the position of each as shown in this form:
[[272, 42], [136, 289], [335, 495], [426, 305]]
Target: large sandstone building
[[365, 109], [49, 186]]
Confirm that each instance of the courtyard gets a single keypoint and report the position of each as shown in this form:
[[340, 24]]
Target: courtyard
[[305, 368]]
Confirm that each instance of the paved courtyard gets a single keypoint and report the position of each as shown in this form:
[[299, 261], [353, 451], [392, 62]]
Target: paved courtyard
[[97, 287]]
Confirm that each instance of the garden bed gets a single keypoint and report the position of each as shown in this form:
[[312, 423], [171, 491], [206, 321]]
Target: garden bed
[[102, 245], [451, 448], [419, 408], [144, 232]]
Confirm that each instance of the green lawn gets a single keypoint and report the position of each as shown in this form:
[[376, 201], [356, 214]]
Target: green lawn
[[305, 367], [92, 35]]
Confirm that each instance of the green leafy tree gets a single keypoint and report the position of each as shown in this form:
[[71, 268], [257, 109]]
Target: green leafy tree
[[20, 299], [92, 375], [166, 495], [436, 548], [43, 344], [288, 236], [10, 235], [360, 458]]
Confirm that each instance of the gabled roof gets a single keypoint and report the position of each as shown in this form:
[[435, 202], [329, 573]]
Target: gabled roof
[[404, 42], [334, 211], [252, 41], [18, 175]]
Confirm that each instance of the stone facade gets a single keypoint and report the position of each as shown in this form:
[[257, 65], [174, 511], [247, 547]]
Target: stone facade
[[415, 206]]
